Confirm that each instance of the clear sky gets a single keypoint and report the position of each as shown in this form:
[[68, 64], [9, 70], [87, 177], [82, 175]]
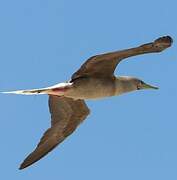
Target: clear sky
[[133, 136]]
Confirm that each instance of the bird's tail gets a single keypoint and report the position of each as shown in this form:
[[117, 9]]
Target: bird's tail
[[29, 92], [57, 89]]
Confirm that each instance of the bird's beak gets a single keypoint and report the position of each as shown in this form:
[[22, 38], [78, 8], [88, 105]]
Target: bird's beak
[[147, 86]]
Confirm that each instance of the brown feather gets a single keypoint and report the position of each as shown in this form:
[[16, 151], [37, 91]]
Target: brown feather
[[66, 115], [104, 65]]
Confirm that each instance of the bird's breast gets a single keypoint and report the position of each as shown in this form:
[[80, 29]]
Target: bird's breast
[[91, 88]]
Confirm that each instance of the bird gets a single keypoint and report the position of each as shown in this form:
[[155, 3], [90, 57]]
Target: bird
[[95, 79]]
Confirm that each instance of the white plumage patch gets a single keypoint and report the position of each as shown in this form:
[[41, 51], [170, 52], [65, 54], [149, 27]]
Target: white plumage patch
[[46, 90]]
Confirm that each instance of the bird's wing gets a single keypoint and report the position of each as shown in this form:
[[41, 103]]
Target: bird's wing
[[105, 64], [66, 115]]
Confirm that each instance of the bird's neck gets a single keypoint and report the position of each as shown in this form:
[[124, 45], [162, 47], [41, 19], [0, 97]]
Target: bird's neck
[[124, 85]]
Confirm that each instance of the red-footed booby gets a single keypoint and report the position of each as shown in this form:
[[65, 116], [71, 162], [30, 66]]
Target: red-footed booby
[[95, 79]]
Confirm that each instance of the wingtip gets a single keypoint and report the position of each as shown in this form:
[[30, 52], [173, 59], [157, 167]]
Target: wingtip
[[23, 166], [20, 168], [170, 39], [163, 42]]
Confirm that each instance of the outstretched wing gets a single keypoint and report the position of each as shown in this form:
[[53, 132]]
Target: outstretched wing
[[104, 65], [66, 115]]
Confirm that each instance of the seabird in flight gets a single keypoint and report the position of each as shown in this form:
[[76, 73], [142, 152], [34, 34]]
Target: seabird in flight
[[95, 79]]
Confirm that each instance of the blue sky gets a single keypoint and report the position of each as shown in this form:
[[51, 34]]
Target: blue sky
[[132, 136]]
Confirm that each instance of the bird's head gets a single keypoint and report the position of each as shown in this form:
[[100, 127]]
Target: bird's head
[[141, 84], [127, 84]]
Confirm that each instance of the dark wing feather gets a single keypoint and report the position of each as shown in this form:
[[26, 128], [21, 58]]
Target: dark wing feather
[[99, 65], [104, 65], [66, 115]]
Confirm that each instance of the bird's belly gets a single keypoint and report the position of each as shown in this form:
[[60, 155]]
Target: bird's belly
[[91, 89]]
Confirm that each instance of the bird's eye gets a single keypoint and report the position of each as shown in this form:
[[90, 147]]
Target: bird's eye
[[139, 85], [141, 82]]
